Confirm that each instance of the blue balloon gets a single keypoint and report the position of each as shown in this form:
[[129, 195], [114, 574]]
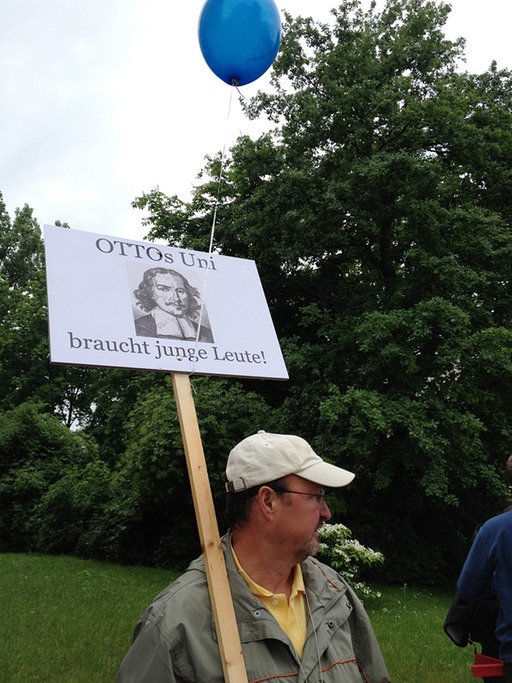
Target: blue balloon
[[239, 39]]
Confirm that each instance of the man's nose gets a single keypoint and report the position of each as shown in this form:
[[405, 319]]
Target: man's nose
[[325, 513]]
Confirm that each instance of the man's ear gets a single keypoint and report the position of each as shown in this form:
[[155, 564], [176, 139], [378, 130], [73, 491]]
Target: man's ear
[[266, 500]]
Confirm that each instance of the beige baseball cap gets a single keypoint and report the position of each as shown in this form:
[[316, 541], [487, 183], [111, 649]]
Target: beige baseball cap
[[264, 457]]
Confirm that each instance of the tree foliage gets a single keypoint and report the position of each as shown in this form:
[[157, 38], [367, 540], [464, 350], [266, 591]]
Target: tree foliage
[[154, 504], [23, 326], [36, 452], [378, 212]]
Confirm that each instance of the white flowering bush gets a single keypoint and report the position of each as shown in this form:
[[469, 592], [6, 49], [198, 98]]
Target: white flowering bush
[[348, 556]]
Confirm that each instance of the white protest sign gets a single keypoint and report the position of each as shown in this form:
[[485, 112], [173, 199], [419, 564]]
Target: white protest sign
[[119, 303]]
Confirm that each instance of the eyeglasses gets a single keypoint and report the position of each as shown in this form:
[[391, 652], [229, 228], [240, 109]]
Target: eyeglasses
[[320, 497]]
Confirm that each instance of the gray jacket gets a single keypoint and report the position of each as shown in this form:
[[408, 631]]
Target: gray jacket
[[175, 639]]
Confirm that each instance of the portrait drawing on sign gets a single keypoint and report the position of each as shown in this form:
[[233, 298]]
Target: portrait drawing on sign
[[170, 307]]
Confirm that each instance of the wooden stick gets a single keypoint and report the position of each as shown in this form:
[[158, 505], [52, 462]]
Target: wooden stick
[[218, 585]]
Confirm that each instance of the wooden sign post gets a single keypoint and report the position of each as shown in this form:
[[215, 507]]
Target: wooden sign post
[[218, 585]]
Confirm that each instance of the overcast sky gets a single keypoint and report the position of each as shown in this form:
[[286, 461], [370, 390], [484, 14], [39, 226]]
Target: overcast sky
[[105, 99]]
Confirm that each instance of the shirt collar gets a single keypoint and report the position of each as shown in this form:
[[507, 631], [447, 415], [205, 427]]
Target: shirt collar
[[259, 591]]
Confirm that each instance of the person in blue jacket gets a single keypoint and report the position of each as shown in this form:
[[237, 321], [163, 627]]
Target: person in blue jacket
[[487, 575]]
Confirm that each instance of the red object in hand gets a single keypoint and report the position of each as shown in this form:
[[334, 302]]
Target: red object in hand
[[487, 667]]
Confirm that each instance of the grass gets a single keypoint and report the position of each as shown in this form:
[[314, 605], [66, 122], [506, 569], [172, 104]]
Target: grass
[[67, 620], [409, 627]]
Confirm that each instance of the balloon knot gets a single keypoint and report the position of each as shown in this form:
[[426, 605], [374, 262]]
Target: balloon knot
[[235, 81]]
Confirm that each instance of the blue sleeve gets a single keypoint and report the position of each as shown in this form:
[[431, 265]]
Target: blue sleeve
[[475, 580]]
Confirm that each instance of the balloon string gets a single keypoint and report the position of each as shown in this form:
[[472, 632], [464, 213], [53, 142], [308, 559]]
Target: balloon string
[[212, 231], [221, 170]]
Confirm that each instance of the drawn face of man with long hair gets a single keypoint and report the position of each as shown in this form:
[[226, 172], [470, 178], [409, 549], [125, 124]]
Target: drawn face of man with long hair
[[172, 305], [170, 294]]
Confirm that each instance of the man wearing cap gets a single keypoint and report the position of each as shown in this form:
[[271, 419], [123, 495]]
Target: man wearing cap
[[298, 619]]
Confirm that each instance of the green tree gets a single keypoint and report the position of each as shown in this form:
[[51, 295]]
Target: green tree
[[25, 370], [150, 516], [67, 514], [79, 396], [39, 457], [23, 318], [378, 212], [36, 450]]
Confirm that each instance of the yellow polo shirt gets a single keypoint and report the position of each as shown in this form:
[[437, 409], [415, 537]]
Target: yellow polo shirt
[[290, 615]]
